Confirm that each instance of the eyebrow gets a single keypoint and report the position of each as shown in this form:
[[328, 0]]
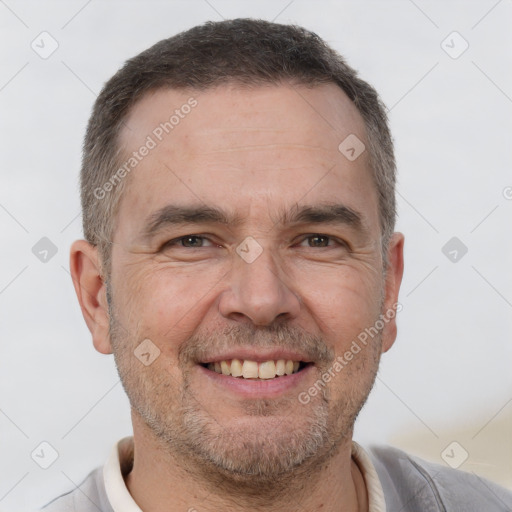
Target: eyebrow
[[323, 214], [193, 214], [329, 213]]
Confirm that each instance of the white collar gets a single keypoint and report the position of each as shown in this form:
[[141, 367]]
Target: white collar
[[376, 500], [121, 500], [118, 495]]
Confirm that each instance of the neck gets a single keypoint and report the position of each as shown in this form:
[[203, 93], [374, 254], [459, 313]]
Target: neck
[[161, 480]]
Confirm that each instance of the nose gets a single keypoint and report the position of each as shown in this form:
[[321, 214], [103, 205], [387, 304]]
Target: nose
[[258, 291]]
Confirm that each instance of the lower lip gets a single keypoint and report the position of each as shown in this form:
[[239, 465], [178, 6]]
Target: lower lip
[[259, 388]]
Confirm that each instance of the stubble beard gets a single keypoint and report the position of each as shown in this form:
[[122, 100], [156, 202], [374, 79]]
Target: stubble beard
[[244, 457]]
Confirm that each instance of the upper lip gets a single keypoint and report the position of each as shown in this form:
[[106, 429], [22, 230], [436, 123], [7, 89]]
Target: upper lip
[[258, 355]]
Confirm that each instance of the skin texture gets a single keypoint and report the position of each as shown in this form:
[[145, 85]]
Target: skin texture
[[256, 153]]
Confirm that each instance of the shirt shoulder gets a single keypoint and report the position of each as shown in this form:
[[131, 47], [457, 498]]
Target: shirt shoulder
[[412, 484], [89, 496]]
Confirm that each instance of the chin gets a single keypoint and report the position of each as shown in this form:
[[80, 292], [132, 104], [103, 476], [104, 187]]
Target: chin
[[260, 447]]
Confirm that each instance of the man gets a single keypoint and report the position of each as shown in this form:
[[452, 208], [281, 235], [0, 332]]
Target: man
[[242, 266]]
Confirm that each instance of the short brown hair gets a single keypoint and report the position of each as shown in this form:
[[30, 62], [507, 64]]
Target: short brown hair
[[240, 51]]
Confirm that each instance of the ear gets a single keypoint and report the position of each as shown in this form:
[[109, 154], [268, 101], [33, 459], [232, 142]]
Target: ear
[[91, 292], [395, 271]]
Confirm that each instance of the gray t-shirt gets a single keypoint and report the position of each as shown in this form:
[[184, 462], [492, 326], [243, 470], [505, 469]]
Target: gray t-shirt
[[396, 482]]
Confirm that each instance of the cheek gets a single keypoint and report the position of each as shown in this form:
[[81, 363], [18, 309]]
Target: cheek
[[343, 304], [168, 304]]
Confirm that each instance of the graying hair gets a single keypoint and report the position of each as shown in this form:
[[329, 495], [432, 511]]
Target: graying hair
[[245, 52]]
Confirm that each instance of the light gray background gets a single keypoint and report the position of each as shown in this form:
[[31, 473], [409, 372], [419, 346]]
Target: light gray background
[[448, 377]]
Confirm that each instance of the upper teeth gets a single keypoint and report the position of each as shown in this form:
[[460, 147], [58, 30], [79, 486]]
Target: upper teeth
[[253, 370]]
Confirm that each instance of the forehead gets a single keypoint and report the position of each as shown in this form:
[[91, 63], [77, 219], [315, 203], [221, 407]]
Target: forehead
[[272, 144], [322, 114]]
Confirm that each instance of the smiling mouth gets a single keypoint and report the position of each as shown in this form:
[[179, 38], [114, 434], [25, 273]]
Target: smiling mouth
[[265, 370]]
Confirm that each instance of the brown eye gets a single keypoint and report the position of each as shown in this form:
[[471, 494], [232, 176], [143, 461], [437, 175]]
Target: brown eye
[[321, 241], [192, 241], [189, 242], [318, 240]]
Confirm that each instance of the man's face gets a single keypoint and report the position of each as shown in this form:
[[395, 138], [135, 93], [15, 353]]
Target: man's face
[[301, 288]]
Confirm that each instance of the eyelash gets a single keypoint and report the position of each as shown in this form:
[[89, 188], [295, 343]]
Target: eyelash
[[174, 242]]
